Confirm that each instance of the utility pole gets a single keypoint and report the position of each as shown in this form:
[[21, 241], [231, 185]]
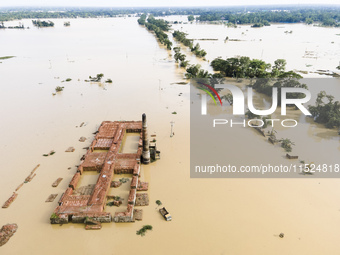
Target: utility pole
[[172, 125]]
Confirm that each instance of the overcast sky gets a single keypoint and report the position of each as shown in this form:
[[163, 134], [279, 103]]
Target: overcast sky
[[138, 3]]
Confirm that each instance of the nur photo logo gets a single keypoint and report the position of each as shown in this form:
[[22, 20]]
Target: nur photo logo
[[237, 100]]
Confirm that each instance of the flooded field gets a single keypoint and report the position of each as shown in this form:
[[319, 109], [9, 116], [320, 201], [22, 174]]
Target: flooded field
[[130, 143], [297, 43], [210, 216]]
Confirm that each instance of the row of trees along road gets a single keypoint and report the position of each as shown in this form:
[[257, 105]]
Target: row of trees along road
[[158, 26]]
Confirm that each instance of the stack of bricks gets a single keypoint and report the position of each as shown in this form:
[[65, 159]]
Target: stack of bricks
[[6, 232], [10, 200], [109, 137]]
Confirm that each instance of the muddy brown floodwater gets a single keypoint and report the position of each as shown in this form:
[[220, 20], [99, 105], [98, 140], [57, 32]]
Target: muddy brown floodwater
[[210, 216]]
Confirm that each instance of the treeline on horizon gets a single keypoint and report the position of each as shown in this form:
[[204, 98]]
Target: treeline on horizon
[[308, 16], [325, 15]]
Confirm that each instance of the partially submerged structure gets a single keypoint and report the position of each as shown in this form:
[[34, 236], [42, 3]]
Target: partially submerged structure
[[6, 232], [166, 215], [105, 156]]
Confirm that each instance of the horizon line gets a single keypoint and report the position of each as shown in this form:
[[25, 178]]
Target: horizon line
[[173, 6]]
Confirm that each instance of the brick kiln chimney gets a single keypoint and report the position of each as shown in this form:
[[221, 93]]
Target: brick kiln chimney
[[146, 152]]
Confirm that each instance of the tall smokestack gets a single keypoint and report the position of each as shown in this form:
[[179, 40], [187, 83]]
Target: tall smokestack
[[146, 152]]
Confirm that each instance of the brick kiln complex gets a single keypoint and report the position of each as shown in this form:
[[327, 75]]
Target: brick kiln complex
[[104, 157]]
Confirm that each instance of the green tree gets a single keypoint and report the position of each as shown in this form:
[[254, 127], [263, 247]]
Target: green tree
[[158, 26], [143, 230], [241, 67], [98, 78], [195, 71], [184, 63], [39, 23], [192, 71], [181, 37], [142, 19], [287, 144], [179, 57], [177, 49], [279, 67], [229, 98], [308, 21], [326, 111]]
